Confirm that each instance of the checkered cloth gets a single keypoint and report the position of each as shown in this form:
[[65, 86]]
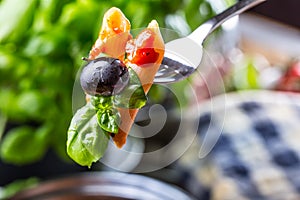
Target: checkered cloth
[[256, 156]]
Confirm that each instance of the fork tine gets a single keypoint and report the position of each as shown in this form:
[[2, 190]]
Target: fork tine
[[179, 67], [172, 69]]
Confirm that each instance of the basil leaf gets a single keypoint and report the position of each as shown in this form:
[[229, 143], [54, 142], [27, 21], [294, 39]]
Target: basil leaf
[[86, 141], [8, 191], [23, 145], [133, 96], [15, 18], [101, 102], [109, 120], [3, 120]]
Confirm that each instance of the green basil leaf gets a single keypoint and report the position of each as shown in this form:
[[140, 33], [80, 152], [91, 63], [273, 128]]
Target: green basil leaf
[[3, 120], [101, 102], [8, 191], [15, 18], [24, 145], [133, 96], [86, 142], [109, 120]]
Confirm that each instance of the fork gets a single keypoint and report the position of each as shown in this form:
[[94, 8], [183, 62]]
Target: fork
[[183, 56]]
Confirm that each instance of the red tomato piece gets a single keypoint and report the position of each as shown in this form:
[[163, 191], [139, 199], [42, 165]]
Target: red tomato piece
[[140, 51]]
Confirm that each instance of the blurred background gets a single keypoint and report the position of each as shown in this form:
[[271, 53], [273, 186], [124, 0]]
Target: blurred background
[[41, 45]]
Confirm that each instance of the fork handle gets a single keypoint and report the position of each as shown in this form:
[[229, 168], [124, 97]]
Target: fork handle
[[201, 33]]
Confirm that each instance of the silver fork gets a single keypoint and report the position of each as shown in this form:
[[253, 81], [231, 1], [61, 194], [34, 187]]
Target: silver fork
[[183, 55]]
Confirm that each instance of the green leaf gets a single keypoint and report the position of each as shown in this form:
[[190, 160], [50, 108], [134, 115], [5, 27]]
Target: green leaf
[[8, 102], [86, 142], [133, 96], [11, 189], [3, 120], [31, 104], [102, 102], [24, 145], [72, 18], [109, 120], [252, 76], [245, 75], [15, 18], [230, 2]]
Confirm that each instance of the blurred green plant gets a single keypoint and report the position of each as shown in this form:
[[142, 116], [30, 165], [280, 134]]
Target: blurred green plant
[[11, 189], [2, 124], [244, 75], [246, 78], [41, 45]]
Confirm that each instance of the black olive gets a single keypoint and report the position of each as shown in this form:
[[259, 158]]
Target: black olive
[[104, 76]]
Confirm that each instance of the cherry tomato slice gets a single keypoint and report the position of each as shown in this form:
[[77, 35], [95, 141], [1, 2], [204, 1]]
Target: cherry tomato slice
[[140, 51]]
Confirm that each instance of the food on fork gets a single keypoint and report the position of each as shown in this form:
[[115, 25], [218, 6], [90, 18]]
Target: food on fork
[[119, 72]]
